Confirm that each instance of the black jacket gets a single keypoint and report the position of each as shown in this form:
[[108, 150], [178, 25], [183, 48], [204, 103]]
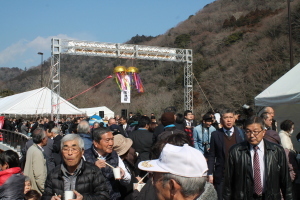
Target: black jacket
[[143, 141], [56, 150], [216, 157], [112, 159], [169, 131], [90, 183], [239, 174], [13, 184]]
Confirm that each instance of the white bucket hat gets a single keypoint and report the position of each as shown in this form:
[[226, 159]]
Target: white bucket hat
[[183, 161]]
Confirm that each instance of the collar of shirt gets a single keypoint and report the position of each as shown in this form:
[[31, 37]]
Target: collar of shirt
[[66, 173], [231, 130], [261, 146], [40, 147], [100, 156], [188, 122], [144, 129]]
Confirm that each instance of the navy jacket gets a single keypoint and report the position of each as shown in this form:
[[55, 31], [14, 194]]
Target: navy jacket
[[216, 157]]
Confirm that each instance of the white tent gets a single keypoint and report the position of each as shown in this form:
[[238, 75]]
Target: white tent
[[95, 111], [35, 102], [284, 96]]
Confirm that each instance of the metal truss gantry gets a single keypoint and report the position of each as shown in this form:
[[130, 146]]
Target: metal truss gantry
[[116, 50]]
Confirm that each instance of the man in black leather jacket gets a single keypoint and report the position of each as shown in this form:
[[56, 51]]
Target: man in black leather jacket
[[84, 178], [239, 178]]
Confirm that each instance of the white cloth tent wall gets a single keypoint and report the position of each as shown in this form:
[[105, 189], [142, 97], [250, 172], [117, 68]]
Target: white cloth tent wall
[[35, 102], [95, 111], [284, 96]]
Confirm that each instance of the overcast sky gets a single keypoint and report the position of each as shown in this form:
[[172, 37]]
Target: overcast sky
[[27, 26]]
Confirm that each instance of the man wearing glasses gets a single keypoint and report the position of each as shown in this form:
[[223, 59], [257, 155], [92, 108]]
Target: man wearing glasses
[[256, 168], [83, 178]]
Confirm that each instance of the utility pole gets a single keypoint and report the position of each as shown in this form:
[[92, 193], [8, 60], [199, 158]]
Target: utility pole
[[42, 63], [290, 35]]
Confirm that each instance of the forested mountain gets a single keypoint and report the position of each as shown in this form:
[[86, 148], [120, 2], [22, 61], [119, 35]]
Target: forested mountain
[[239, 47]]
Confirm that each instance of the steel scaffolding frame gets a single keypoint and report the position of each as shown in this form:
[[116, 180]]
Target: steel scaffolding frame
[[117, 50]]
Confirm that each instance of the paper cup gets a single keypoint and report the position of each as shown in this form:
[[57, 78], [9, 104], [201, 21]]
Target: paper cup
[[69, 195], [138, 186], [117, 173]]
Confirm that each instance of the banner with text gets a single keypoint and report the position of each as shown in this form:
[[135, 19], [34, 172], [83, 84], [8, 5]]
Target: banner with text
[[125, 96]]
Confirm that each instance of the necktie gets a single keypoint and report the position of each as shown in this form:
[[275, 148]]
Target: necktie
[[256, 172], [228, 133]]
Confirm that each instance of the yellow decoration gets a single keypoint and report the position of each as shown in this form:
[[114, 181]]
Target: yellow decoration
[[132, 70], [119, 69]]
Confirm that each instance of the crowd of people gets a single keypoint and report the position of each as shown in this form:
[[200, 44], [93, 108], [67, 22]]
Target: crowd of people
[[139, 157]]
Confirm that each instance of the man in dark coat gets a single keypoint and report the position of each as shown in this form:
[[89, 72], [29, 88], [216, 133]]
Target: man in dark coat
[[100, 154], [257, 168], [83, 129], [56, 146], [220, 143], [85, 179], [142, 139], [8, 125], [123, 126], [189, 124]]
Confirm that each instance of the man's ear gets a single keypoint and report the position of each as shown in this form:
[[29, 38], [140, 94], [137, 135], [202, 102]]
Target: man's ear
[[95, 143], [174, 187]]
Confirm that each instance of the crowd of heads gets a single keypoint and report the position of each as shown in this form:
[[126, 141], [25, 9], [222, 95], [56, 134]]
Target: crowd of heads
[[169, 156]]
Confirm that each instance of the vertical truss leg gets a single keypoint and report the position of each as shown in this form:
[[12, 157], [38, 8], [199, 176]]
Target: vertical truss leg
[[55, 78], [188, 81]]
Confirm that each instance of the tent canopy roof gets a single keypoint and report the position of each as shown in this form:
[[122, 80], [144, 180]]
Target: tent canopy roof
[[95, 111], [35, 102], [286, 90]]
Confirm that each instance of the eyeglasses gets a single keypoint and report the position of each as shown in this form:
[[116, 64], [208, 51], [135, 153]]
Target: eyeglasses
[[255, 133], [73, 150]]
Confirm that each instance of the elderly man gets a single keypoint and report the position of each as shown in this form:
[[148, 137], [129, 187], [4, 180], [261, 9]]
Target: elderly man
[[35, 166], [83, 129], [111, 121], [102, 153], [220, 143], [271, 112], [267, 120], [177, 175], [85, 179], [56, 145], [256, 168]]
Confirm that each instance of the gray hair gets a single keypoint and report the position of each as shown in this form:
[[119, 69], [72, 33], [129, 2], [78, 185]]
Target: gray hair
[[225, 111], [189, 185], [38, 135], [27, 178], [83, 127], [71, 137], [55, 130], [264, 115]]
